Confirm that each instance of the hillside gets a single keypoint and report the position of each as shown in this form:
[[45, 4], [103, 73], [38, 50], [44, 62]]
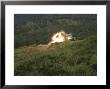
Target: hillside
[[39, 28], [71, 58]]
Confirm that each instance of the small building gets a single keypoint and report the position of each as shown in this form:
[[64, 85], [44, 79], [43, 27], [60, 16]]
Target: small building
[[60, 37]]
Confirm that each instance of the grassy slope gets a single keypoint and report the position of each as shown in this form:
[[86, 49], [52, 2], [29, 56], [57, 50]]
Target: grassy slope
[[75, 58]]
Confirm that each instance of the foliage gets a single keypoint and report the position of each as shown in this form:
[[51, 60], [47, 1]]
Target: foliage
[[70, 58], [38, 29], [74, 58]]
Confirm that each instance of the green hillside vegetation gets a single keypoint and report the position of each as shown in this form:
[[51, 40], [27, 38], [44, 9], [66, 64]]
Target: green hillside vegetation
[[73, 58], [32, 56], [38, 29]]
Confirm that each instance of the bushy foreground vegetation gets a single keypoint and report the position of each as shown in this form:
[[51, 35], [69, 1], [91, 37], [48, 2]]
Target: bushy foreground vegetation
[[71, 58]]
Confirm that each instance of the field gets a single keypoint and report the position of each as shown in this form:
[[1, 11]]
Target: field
[[71, 58]]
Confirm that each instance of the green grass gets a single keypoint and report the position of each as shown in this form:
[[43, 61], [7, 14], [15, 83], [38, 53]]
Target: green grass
[[72, 58]]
